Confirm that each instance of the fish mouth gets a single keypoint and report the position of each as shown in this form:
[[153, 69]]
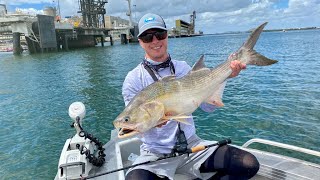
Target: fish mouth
[[126, 132]]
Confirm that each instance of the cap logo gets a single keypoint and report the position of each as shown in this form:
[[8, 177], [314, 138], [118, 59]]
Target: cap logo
[[149, 19]]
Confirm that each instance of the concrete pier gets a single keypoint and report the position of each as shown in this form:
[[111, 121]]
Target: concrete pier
[[17, 25], [46, 33], [33, 47], [43, 34]]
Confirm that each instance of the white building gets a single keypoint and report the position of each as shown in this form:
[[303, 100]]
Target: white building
[[118, 26]]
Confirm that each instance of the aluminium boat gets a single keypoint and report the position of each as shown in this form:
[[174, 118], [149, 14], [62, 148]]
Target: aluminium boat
[[118, 154]]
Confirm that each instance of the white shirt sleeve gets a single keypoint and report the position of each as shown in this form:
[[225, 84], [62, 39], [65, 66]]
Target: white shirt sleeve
[[131, 86]]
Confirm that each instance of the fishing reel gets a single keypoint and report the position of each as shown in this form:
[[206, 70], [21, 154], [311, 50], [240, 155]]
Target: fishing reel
[[81, 152]]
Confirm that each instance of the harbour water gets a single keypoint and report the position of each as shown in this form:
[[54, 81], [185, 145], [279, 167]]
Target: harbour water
[[279, 102]]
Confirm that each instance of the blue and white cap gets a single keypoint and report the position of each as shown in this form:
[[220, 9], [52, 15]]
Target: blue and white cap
[[150, 21]]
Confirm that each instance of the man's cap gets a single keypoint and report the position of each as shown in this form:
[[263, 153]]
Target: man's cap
[[150, 21]]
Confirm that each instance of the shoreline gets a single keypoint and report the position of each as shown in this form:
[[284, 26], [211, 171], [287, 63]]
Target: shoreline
[[269, 30]]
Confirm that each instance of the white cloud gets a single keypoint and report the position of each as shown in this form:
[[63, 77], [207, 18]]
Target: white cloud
[[212, 15], [20, 2], [30, 11]]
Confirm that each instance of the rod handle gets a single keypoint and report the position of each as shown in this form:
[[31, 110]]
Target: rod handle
[[198, 148]]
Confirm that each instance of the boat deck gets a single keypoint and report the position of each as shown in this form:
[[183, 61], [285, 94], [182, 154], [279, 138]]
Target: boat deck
[[276, 166], [272, 166]]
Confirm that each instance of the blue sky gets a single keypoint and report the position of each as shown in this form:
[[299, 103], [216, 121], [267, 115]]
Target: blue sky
[[38, 6], [282, 4], [212, 15]]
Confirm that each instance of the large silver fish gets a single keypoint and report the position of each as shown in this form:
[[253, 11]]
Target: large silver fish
[[175, 99]]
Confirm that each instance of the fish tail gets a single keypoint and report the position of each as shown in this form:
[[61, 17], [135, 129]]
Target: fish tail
[[259, 60], [249, 55]]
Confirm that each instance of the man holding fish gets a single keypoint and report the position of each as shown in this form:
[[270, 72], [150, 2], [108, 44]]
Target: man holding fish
[[161, 112]]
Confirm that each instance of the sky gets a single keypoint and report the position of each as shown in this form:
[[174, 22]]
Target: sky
[[212, 16]]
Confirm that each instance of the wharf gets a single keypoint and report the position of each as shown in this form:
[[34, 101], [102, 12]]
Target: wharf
[[11, 26], [43, 34], [184, 35]]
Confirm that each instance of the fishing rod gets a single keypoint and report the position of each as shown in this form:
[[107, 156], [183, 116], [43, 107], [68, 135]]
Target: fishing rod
[[188, 151]]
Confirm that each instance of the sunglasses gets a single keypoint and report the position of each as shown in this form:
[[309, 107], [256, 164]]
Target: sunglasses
[[148, 37]]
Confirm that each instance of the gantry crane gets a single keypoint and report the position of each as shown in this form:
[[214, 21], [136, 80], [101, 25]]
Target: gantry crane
[[192, 22], [93, 12]]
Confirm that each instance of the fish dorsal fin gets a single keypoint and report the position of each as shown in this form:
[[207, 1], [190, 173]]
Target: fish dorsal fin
[[168, 78], [199, 64], [180, 118]]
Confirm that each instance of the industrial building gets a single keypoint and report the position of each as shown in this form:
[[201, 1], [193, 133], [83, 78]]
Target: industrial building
[[118, 27], [185, 29]]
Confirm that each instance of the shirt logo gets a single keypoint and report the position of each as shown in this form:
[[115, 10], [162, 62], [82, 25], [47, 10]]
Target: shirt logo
[[149, 19]]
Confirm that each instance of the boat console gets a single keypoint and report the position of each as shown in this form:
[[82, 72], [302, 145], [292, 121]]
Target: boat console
[[78, 155]]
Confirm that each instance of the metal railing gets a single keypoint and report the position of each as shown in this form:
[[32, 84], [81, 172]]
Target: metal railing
[[281, 145]]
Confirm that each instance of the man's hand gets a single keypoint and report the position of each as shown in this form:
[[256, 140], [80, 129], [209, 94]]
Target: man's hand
[[236, 67]]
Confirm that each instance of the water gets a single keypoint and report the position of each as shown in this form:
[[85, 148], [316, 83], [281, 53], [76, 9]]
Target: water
[[280, 102]]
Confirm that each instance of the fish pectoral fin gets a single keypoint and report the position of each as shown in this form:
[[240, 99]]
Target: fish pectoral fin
[[217, 103], [179, 118], [162, 122], [184, 121], [216, 98], [168, 78]]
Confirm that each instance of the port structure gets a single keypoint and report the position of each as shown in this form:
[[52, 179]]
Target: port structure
[[93, 12], [45, 33], [126, 30], [192, 22], [11, 27], [48, 32], [185, 29]]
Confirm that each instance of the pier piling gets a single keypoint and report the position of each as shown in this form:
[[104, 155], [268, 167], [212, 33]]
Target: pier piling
[[65, 43], [16, 43], [102, 41], [111, 41], [124, 39]]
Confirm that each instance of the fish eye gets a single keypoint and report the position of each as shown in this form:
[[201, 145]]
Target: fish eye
[[126, 119]]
